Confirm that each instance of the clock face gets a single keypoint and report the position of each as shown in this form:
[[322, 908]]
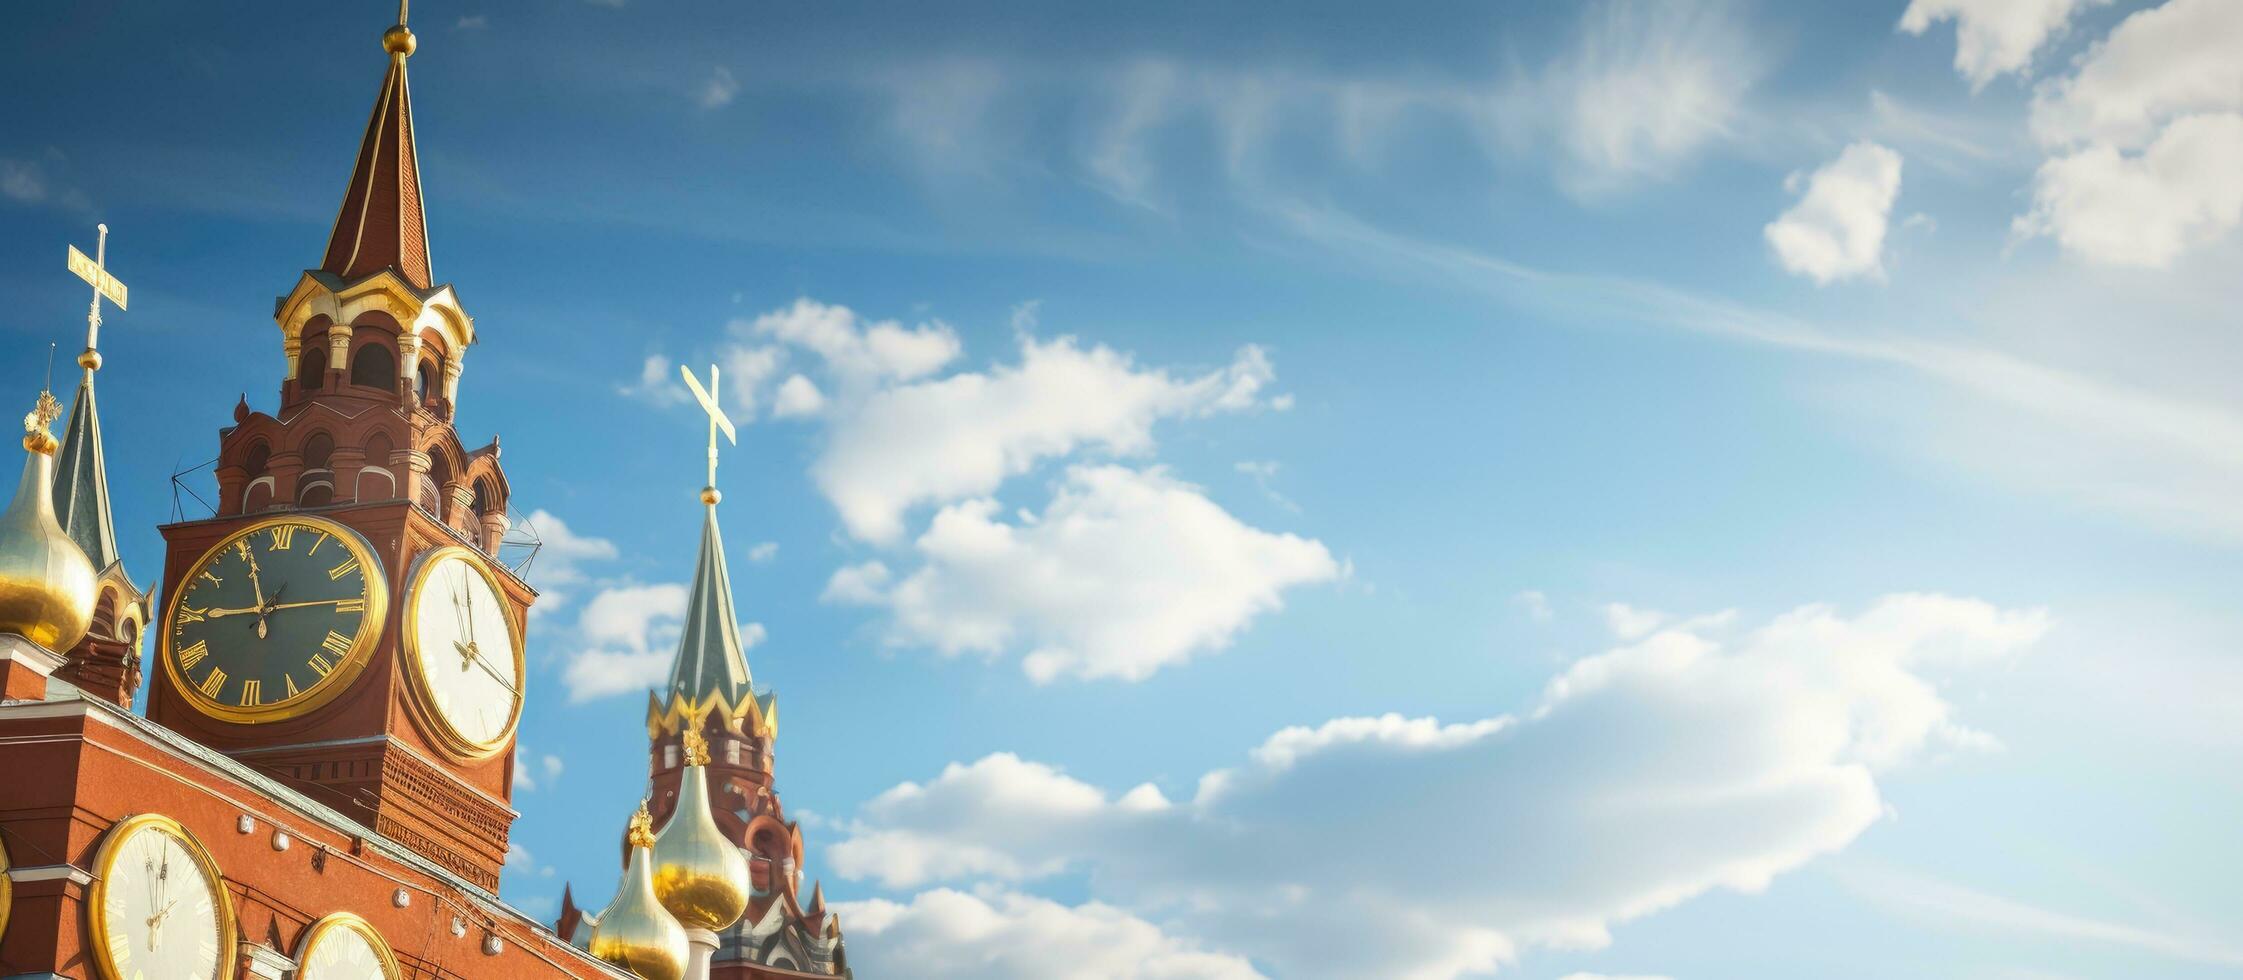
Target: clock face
[[158, 908], [345, 947], [275, 620], [465, 652]]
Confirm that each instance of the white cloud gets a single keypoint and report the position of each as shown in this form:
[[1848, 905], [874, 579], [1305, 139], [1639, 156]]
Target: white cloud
[[1994, 37], [857, 350], [561, 555], [2143, 138], [2172, 60], [1629, 623], [1536, 604], [1837, 230], [2145, 209], [1645, 88], [532, 771], [1263, 471], [475, 22], [22, 181], [797, 397], [745, 369], [657, 383], [1124, 572], [964, 434], [718, 89], [1641, 778], [763, 551], [626, 635], [1007, 936], [1608, 976], [2165, 456], [1949, 905]]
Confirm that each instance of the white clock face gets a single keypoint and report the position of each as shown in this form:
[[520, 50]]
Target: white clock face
[[160, 912], [465, 651], [342, 953]]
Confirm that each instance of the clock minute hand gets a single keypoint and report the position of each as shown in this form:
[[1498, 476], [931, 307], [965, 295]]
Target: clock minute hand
[[495, 675], [307, 602]]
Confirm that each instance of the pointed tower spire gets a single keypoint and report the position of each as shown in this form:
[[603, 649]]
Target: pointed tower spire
[[382, 224], [105, 660], [711, 669], [81, 477]]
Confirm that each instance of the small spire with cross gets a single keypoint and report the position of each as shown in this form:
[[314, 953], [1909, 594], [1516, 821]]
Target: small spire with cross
[[105, 286], [718, 422]]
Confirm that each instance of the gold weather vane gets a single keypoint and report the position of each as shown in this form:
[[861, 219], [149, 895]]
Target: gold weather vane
[[718, 421], [105, 286]]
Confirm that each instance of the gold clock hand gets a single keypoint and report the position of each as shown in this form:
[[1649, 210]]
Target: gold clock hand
[[495, 675], [275, 607]]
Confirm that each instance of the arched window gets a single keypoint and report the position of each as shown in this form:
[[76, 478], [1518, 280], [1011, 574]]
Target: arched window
[[374, 367], [430, 491], [312, 366], [317, 450], [258, 461], [318, 482], [431, 380]]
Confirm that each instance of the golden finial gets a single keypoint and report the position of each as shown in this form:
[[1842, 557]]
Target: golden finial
[[696, 748], [635, 932], [35, 435], [398, 40], [46, 581]]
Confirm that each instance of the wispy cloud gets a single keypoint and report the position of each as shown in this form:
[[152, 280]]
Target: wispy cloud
[[1950, 904], [2157, 457], [718, 89]]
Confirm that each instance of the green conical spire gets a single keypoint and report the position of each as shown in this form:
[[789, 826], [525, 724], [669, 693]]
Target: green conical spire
[[81, 490], [710, 658]]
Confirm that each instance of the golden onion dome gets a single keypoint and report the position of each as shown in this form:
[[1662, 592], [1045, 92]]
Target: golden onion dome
[[635, 932], [46, 582], [701, 877]]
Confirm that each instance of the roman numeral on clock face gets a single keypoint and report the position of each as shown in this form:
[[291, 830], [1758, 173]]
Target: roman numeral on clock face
[[348, 566], [212, 682], [193, 653], [251, 693], [283, 536]]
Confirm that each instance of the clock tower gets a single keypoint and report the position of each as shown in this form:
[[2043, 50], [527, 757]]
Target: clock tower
[[341, 622]]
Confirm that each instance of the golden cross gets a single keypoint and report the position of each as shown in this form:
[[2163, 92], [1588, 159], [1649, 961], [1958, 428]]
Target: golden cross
[[718, 421], [105, 286]]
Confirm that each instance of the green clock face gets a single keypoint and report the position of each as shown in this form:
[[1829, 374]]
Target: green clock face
[[275, 620]]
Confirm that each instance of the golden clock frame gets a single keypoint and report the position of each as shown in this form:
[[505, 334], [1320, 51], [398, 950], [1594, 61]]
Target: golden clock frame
[[330, 687], [229, 932], [349, 922], [409, 648], [7, 888]]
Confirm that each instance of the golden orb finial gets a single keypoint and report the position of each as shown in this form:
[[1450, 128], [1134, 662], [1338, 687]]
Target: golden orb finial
[[711, 495], [635, 932], [46, 582], [399, 41], [35, 435], [701, 876]]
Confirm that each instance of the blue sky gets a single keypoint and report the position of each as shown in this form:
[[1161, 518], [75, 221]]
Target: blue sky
[[1301, 490]]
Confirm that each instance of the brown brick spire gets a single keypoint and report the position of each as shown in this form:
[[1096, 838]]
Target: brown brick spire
[[381, 224]]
